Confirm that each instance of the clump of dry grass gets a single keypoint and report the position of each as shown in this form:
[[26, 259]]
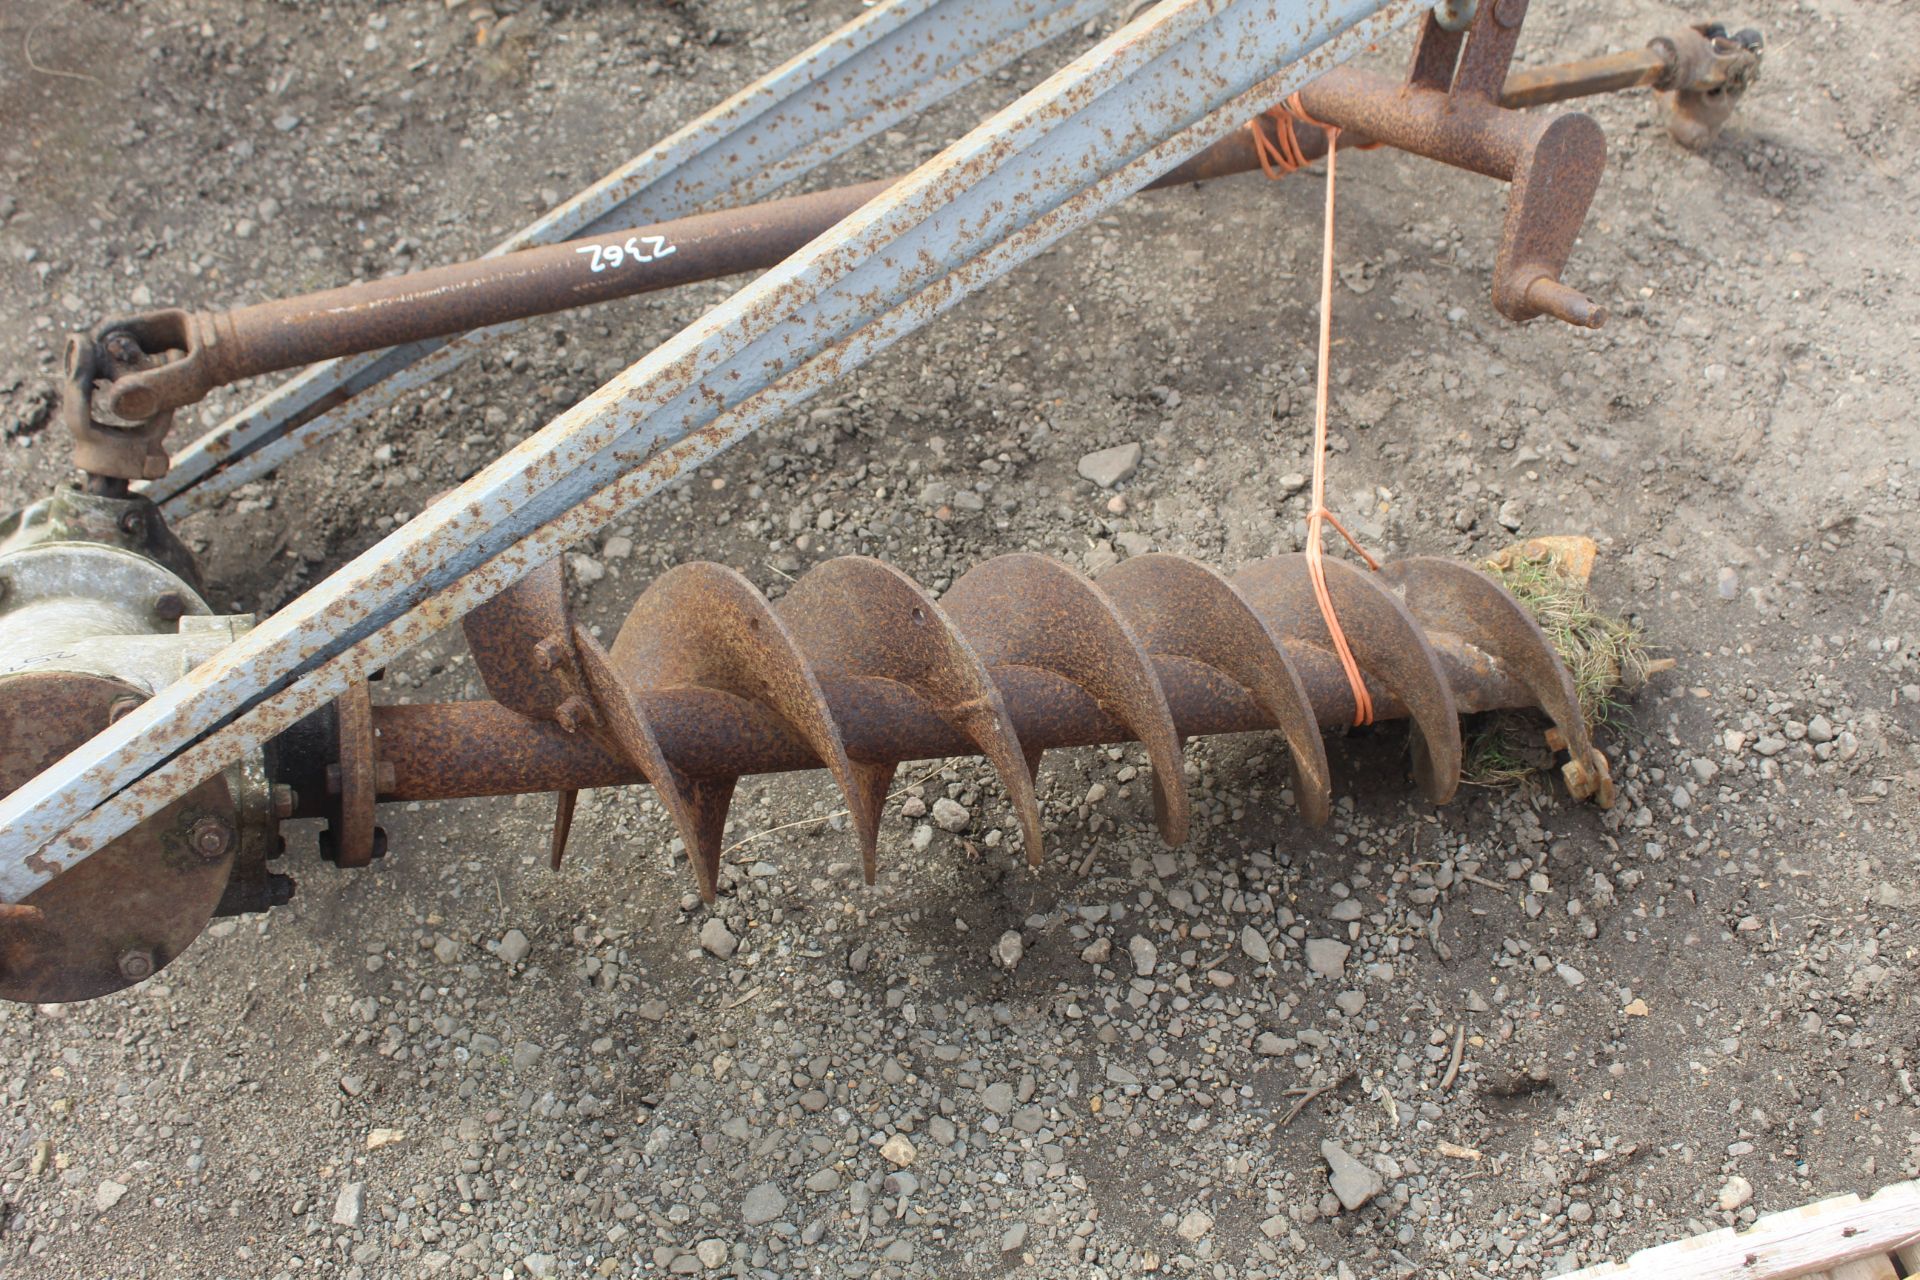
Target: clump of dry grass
[[1605, 655]]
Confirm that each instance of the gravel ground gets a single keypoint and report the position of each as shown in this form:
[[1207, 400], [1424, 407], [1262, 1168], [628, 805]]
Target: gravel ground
[[1536, 1035]]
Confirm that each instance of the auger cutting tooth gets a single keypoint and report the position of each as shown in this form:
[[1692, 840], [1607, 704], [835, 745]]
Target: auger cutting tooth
[[519, 641], [697, 806], [1032, 611], [512, 639], [1449, 598], [706, 626], [857, 617], [1186, 609], [1387, 643], [563, 806]]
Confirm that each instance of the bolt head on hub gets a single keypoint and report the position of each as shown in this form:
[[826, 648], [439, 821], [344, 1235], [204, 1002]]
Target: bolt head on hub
[[136, 964], [211, 838]]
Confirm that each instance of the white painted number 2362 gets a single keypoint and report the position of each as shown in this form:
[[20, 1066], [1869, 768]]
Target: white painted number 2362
[[612, 255]]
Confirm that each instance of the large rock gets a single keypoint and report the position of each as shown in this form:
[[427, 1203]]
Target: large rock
[[950, 815], [1108, 467], [514, 947], [1254, 943], [1194, 1226], [763, 1204], [717, 939], [350, 1204], [1327, 957], [1353, 1182]]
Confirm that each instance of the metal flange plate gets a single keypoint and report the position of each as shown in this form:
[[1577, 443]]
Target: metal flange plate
[[123, 914]]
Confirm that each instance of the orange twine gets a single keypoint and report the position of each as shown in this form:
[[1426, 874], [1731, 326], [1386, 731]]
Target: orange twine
[[1279, 159], [1281, 154]]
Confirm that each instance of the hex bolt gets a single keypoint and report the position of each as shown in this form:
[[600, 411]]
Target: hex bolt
[[136, 963], [211, 838], [285, 800], [168, 606], [574, 713], [546, 654], [134, 523]]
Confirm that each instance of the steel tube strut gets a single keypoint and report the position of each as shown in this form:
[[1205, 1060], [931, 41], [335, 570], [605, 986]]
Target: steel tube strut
[[1175, 80]]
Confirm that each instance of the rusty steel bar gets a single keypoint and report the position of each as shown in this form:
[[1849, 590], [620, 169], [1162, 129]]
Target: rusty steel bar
[[457, 750], [1610, 73], [1537, 87], [219, 348]]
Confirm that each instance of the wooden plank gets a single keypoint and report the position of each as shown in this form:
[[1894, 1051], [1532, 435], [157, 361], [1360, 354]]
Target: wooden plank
[[1877, 1267], [1826, 1236]]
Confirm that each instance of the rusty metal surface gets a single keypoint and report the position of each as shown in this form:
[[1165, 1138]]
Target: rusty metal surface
[[1027, 610], [124, 914], [704, 626], [1180, 607], [215, 349], [1610, 73], [1450, 598], [351, 838], [1709, 71], [696, 805], [1553, 163], [1392, 650], [522, 643], [1020, 656], [858, 618], [119, 449]]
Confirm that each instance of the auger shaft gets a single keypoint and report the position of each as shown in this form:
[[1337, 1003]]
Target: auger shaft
[[459, 750]]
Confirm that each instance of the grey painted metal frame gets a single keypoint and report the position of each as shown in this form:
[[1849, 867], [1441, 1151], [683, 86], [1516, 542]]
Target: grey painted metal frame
[[892, 62], [1178, 78]]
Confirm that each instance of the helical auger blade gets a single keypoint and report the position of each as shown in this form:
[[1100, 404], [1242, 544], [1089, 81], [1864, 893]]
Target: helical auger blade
[[1024, 623]]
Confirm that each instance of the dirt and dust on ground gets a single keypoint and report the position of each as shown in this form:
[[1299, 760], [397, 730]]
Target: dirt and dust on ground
[[1547, 1035]]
